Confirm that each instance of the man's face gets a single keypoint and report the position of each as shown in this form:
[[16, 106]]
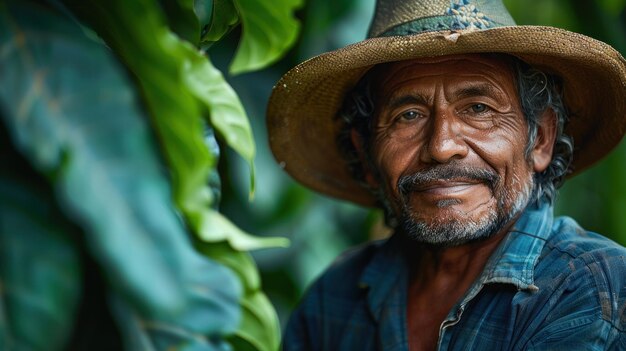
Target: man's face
[[449, 142]]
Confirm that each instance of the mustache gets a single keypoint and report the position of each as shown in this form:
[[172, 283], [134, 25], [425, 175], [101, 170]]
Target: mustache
[[446, 172]]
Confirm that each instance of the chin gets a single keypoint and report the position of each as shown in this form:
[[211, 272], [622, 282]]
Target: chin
[[455, 227], [450, 232]]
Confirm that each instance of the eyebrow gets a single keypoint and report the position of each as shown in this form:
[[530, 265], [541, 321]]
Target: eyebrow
[[408, 99], [478, 90]]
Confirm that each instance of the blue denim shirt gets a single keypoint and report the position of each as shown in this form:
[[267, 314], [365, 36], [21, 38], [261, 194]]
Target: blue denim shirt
[[550, 285]]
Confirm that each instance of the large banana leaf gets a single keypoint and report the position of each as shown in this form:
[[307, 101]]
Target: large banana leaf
[[71, 110], [40, 271], [171, 96]]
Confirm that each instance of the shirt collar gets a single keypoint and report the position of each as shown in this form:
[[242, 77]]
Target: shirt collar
[[513, 261]]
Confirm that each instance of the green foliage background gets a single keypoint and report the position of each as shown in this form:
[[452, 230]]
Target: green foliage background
[[321, 228]]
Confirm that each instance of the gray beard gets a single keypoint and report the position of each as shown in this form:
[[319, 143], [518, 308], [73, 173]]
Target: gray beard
[[449, 232]]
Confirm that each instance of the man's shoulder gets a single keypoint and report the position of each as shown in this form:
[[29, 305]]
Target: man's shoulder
[[346, 271], [569, 238], [334, 302], [588, 263]]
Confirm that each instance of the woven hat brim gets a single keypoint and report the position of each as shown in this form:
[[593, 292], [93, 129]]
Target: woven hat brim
[[301, 115]]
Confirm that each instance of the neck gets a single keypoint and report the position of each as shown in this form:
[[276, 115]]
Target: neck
[[439, 278], [453, 266]]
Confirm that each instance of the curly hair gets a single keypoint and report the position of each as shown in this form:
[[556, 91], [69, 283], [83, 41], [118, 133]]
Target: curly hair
[[538, 91]]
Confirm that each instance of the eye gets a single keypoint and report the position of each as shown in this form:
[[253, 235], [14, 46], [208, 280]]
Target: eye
[[479, 108], [409, 115]]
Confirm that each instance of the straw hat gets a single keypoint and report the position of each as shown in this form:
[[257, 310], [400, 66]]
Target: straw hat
[[301, 115]]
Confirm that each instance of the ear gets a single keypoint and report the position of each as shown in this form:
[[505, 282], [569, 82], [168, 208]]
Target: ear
[[544, 144], [358, 142]]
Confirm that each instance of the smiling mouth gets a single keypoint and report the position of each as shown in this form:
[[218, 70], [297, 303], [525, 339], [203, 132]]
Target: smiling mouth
[[447, 180], [446, 193], [446, 187]]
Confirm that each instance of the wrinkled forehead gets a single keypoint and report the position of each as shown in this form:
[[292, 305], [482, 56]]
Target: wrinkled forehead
[[497, 68]]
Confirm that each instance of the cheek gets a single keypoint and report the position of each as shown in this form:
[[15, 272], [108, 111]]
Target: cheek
[[395, 159], [512, 169], [503, 148]]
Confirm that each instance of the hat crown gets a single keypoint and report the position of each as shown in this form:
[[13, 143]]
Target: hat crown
[[401, 17]]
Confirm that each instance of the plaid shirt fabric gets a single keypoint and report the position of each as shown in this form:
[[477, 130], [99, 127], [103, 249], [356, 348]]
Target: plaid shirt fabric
[[550, 285]]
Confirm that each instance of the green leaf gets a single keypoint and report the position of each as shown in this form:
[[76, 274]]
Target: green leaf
[[143, 335], [214, 227], [259, 326], [269, 29], [215, 181], [172, 94], [226, 111], [40, 268], [224, 18], [240, 263], [64, 124], [204, 12], [181, 17], [254, 329], [91, 137], [174, 112]]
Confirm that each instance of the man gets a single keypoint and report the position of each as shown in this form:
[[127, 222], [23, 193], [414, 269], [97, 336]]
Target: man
[[461, 126]]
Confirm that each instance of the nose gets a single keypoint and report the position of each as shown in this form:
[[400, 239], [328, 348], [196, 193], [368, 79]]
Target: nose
[[445, 141]]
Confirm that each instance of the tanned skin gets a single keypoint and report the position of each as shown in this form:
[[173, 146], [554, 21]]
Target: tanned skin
[[462, 109]]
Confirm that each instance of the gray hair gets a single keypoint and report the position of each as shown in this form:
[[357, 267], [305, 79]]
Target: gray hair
[[538, 91]]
